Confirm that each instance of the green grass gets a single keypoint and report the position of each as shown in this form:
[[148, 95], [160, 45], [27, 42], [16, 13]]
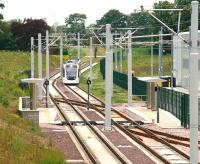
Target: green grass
[[98, 85], [141, 62], [21, 141], [73, 53], [141, 66]]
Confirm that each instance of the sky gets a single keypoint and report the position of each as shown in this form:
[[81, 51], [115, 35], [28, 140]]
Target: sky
[[57, 11]]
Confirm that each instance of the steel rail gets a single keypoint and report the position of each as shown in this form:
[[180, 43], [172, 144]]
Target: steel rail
[[139, 127], [132, 136], [89, 154], [121, 159], [87, 151], [79, 103], [172, 141], [146, 131]]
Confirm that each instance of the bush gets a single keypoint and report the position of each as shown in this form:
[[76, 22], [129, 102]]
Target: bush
[[23, 86]]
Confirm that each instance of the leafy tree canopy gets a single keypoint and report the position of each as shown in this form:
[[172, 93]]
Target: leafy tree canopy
[[27, 29], [139, 20], [185, 15], [164, 16], [115, 18], [75, 23], [6, 37]]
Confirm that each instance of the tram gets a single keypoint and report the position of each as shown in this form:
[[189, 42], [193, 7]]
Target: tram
[[71, 72]]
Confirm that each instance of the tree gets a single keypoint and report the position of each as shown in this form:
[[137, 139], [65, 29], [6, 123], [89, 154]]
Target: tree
[[6, 37], [164, 16], [75, 23], [185, 15], [115, 18], [1, 6], [139, 20], [27, 29]]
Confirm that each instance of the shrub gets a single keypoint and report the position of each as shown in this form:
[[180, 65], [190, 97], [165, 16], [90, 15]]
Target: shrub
[[23, 85]]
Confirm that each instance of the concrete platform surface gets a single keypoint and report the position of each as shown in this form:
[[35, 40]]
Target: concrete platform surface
[[48, 115], [167, 120]]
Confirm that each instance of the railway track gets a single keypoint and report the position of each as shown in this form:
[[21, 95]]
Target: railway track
[[174, 139], [142, 135], [93, 158], [165, 136], [139, 134], [84, 63]]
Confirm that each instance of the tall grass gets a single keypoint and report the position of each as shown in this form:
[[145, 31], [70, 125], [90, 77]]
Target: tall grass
[[21, 141]]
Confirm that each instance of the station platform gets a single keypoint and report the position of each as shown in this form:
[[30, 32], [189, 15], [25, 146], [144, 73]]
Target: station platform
[[183, 90], [167, 120], [48, 116]]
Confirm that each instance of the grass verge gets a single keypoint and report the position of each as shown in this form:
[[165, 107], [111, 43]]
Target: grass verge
[[21, 141]]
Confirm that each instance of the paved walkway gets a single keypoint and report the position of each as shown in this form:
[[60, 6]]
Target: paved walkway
[[167, 120]]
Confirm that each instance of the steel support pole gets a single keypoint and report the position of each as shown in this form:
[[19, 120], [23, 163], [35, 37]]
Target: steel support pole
[[160, 65], [78, 45], [129, 70], [108, 78], [125, 52], [88, 107], [121, 59], [111, 63], [179, 21], [61, 58], [115, 53], [40, 65], [151, 58], [156, 103], [47, 67], [47, 55], [172, 66], [193, 89], [32, 57], [91, 56], [116, 59]]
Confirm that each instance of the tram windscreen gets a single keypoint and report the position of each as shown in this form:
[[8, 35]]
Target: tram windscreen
[[71, 71]]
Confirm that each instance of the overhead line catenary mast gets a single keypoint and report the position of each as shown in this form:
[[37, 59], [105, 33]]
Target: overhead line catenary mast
[[47, 68], [39, 66], [193, 89], [108, 78]]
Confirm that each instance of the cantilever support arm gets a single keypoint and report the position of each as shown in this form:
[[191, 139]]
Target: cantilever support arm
[[169, 28]]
